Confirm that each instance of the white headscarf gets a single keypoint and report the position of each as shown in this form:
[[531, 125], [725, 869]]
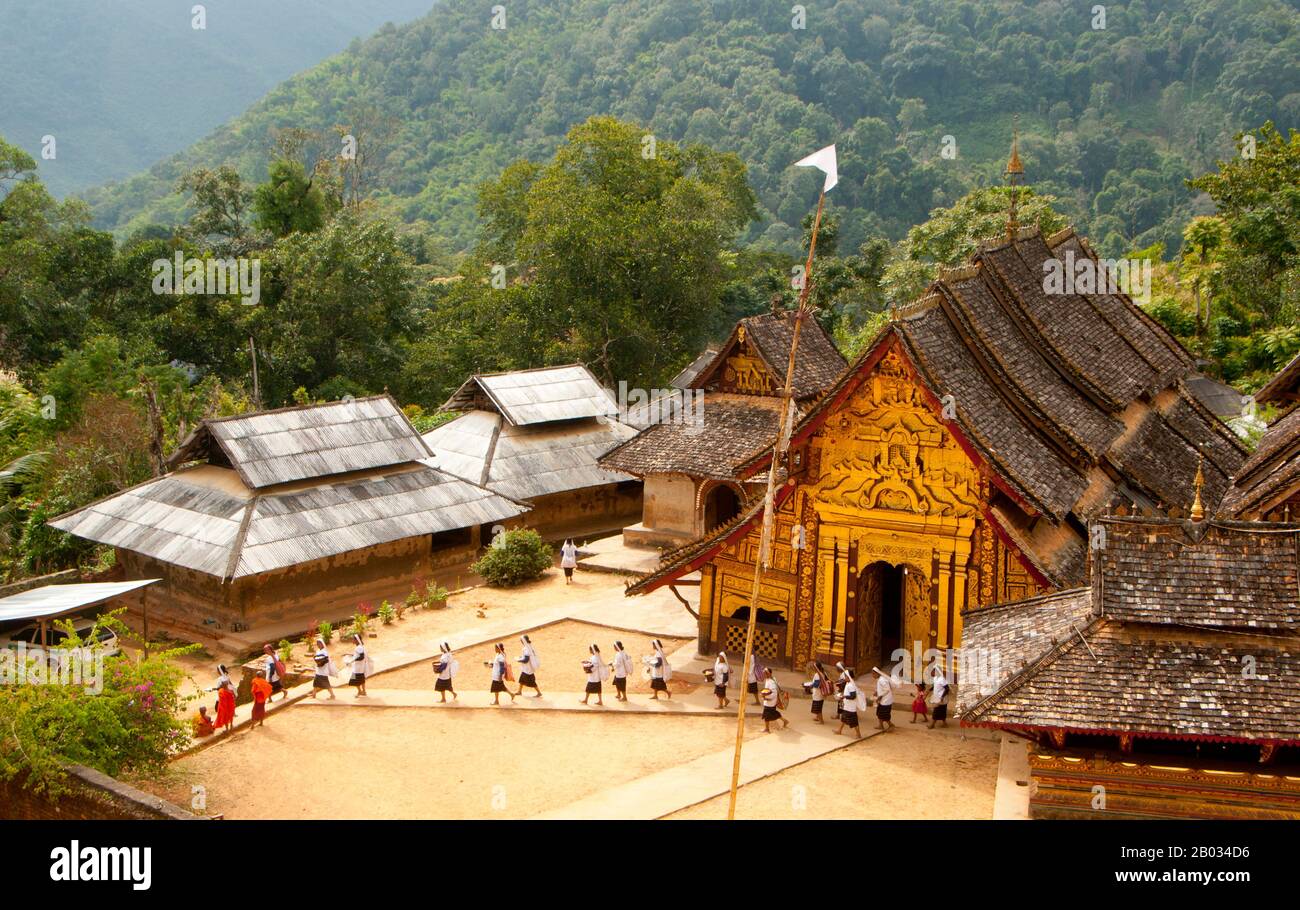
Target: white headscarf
[[659, 652], [597, 664], [721, 669], [533, 663], [449, 659]]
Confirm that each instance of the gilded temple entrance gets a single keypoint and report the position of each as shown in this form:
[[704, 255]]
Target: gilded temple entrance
[[889, 610]]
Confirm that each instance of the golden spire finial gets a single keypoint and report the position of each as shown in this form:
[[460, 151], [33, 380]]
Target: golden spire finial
[[1015, 171], [1198, 507]]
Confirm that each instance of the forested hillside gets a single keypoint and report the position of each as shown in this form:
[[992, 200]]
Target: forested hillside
[[1115, 117], [121, 85]]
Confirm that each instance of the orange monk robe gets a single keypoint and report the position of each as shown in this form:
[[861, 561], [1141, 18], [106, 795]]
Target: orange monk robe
[[261, 690], [225, 707]]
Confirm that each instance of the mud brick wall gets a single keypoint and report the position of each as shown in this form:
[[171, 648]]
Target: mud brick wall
[[92, 795]]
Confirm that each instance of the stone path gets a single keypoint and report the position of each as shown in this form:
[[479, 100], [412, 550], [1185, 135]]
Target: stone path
[[666, 792], [552, 701]]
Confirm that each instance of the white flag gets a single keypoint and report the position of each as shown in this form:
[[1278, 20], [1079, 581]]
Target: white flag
[[823, 160]]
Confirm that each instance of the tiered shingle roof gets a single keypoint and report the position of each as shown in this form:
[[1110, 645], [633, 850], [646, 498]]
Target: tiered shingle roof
[[1271, 475], [731, 428], [1188, 630], [1075, 403]]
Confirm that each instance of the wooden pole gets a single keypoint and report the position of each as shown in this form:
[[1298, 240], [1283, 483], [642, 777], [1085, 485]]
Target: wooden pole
[[769, 505]]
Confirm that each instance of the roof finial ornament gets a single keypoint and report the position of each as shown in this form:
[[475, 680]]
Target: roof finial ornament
[[1198, 507], [1015, 174]]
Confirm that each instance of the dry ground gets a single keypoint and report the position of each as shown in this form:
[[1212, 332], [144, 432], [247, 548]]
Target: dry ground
[[562, 646], [343, 763], [910, 773]]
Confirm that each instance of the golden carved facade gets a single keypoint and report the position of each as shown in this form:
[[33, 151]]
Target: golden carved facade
[[880, 543]]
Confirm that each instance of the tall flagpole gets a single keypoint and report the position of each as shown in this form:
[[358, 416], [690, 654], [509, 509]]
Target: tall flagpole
[[769, 499]]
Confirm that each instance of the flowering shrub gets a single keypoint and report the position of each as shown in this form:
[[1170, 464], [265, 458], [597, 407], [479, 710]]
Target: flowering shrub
[[133, 723]]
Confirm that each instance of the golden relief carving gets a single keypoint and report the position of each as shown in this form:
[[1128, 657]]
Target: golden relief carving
[[887, 450], [746, 373]]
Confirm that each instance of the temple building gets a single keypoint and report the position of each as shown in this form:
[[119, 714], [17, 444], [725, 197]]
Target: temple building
[[957, 463], [536, 436], [688, 456], [1283, 390], [306, 511], [1163, 689]]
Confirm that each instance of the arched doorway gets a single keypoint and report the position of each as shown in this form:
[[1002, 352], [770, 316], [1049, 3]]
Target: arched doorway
[[889, 608], [721, 504]]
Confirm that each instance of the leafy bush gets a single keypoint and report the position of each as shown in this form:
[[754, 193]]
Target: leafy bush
[[386, 613], [285, 649], [435, 596], [124, 717], [515, 557]]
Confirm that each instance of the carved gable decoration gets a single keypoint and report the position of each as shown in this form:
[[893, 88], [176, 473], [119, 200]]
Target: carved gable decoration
[[745, 373], [885, 449]]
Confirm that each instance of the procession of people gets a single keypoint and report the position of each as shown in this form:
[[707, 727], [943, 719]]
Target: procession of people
[[929, 703]]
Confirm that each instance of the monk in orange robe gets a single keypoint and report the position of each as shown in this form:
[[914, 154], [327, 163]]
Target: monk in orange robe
[[225, 708]]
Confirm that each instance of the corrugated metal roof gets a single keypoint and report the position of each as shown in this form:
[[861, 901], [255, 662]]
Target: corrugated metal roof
[[272, 447], [54, 600], [536, 396], [529, 461], [182, 520]]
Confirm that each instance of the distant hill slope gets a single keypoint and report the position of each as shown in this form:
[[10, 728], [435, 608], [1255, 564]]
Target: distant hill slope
[[1113, 118], [122, 84]]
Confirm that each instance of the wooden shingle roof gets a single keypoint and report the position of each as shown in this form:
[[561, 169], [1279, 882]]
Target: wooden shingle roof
[[1269, 476], [523, 462], [725, 430], [272, 447], [540, 395], [1188, 630]]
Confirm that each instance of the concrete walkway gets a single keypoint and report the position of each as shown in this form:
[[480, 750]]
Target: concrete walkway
[[666, 792], [612, 555], [1011, 799], [552, 701], [657, 614]]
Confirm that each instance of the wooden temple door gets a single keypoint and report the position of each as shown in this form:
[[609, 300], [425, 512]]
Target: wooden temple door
[[862, 619]]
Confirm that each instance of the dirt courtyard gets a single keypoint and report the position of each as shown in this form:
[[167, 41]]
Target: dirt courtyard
[[912, 773], [343, 763]]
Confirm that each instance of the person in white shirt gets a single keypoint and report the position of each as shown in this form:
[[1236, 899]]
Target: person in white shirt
[[721, 676], [850, 702], [273, 675], [499, 667], [324, 670], [529, 664], [622, 668], [446, 666], [751, 684], [360, 666], [568, 560], [817, 688], [597, 673], [660, 671], [771, 694], [939, 689], [884, 699]]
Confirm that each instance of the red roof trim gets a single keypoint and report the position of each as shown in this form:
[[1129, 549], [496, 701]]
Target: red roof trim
[[1189, 737]]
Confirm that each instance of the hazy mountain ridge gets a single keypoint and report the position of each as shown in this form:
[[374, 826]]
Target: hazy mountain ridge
[[1114, 119]]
